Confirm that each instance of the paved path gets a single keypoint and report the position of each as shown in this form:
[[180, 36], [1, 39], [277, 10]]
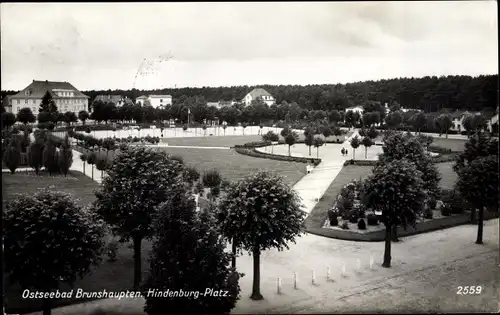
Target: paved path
[[312, 186], [422, 278]]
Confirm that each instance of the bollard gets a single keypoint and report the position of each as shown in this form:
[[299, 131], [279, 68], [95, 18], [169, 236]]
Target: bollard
[[371, 263], [295, 280], [313, 278], [358, 265], [328, 278], [279, 285], [344, 273]]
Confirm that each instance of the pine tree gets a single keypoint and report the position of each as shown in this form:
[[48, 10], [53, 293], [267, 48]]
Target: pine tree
[[188, 256], [65, 156], [48, 106]]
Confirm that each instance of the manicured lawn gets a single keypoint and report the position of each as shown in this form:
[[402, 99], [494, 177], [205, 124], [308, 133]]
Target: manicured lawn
[[77, 184], [455, 145], [220, 141], [234, 166], [354, 172]]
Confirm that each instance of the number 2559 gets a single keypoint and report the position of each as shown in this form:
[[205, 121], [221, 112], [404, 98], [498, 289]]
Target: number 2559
[[467, 290]]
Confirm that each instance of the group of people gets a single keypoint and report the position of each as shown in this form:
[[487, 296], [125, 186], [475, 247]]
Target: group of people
[[344, 151]]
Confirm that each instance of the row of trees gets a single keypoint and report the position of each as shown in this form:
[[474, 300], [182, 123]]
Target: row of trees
[[428, 93], [147, 195], [405, 172]]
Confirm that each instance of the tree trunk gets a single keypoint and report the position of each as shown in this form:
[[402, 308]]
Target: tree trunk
[[83, 167], [317, 152], [289, 154], [47, 306], [256, 277], [395, 233], [92, 171], [137, 262], [366, 153], [353, 153], [473, 216], [234, 249], [272, 148], [309, 150], [387, 252], [446, 134], [480, 226]]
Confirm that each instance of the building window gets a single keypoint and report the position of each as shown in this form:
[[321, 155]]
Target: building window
[[18, 102], [25, 101], [161, 100]]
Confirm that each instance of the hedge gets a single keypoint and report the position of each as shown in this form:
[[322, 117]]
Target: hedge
[[254, 153], [360, 162]]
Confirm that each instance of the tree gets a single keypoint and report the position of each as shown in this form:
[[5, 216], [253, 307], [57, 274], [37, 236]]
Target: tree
[[137, 182], [244, 126], [419, 121], [70, 117], [8, 120], [479, 123], [92, 159], [372, 133], [318, 142], [12, 156], [394, 119], [478, 183], [191, 175], [443, 123], [326, 132], [101, 164], [83, 157], [290, 140], [399, 146], [285, 132], [258, 213], [349, 119], [25, 116], [388, 190], [189, 255], [35, 155], [224, 128], [83, 116], [309, 141], [44, 117], [204, 127], [334, 116], [367, 142], [50, 157], [475, 148], [65, 156], [48, 106], [212, 180], [354, 144], [55, 241]]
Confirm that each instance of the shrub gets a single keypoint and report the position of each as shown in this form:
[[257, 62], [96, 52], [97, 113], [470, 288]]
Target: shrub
[[212, 178], [361, 224], [372, 219], [334, 221], [199, 188], [353, 218], [428, 214], [345, 225], [446, 210], [432, 202], [191, 174], [454, 200], [112, 250], [177, 158]]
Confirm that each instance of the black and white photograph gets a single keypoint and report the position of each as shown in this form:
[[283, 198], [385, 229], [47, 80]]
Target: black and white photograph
[[250, 157]]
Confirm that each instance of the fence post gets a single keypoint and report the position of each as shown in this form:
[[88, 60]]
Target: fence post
[[295, 280]]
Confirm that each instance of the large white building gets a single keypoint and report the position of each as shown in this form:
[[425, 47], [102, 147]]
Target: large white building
[[155, 100], [257, 93], [66, 97]]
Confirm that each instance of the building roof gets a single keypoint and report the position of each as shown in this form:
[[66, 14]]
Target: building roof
[[354, 107], [142, 97], [259, 92], [38, 89]]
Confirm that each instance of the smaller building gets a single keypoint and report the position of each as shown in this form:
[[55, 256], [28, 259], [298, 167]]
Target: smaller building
[[259, 93], [157, 101]]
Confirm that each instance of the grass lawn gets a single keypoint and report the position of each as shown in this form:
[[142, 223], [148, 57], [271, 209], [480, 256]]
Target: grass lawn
[[353, 172], [234, 166], [456, 145], [219, 141]]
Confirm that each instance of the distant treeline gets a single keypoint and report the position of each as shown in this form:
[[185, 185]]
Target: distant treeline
[[430, 94]]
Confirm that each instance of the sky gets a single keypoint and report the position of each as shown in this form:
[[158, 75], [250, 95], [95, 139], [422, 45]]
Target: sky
[[165, 45]]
